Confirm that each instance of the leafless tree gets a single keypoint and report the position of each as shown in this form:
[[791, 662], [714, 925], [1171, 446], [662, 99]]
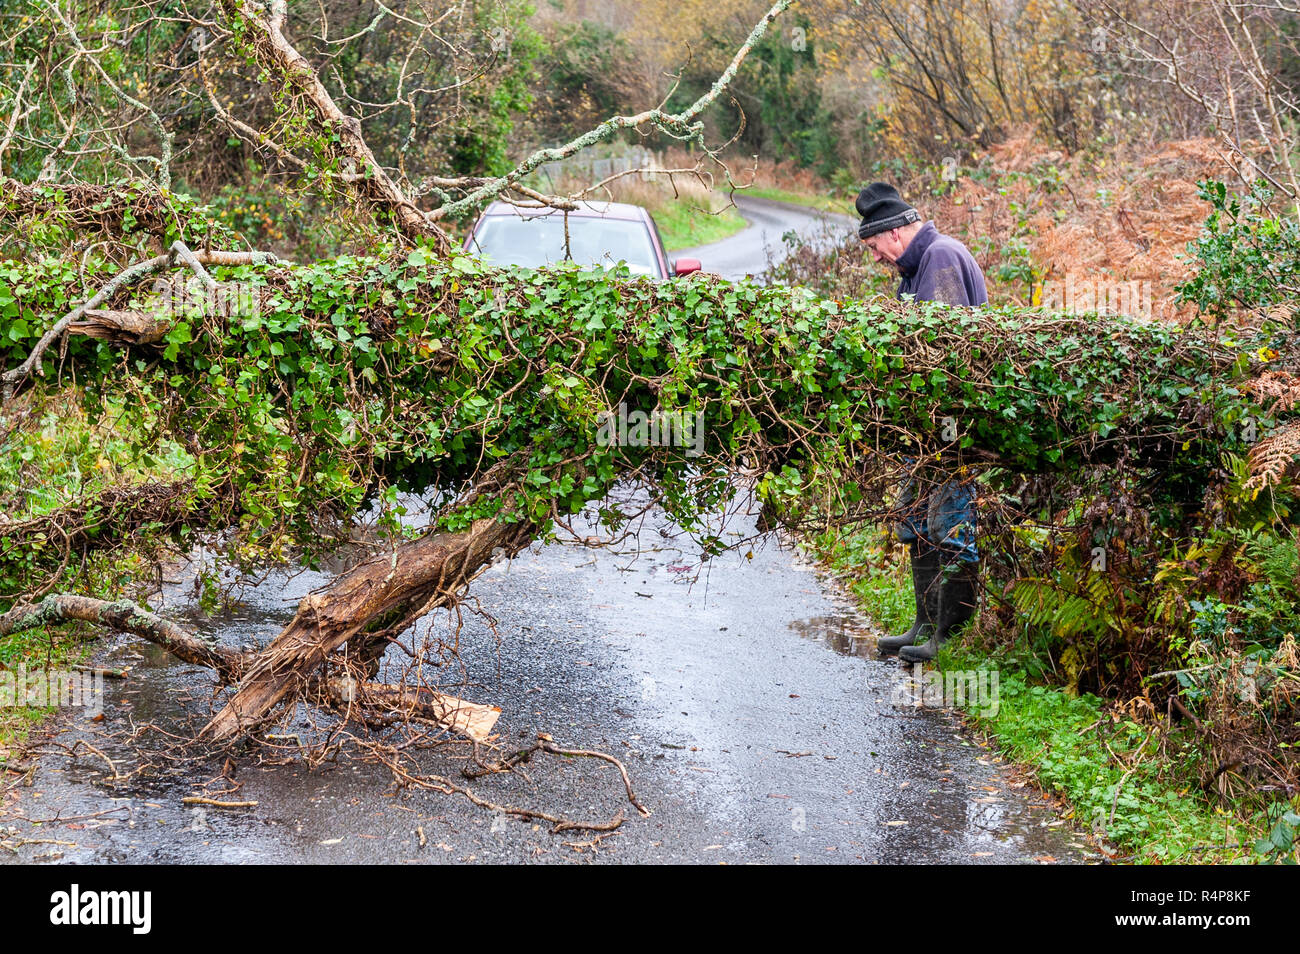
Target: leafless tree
[[1222, 57]]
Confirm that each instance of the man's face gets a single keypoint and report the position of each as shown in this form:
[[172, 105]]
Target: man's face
[[886, 246]]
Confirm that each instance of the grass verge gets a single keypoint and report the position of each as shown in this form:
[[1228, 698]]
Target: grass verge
[[1131, 786], [53, 454], [823, 203], [32, 653], [683, 224]]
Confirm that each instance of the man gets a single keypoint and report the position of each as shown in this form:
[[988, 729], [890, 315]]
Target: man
[[938, 526]]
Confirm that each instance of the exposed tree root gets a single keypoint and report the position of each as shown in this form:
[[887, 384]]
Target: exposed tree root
[[438, 783], [368, 704], [545, 743]]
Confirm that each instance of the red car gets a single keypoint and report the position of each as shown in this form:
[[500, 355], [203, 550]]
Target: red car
[[600, 233]]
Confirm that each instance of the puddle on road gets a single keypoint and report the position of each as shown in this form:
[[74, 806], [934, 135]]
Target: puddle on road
[[842, 633]]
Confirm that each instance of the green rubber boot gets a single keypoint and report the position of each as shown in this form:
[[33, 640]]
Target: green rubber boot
[[925, 573], [956, 605]]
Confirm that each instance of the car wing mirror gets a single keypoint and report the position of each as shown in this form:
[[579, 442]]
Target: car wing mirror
[[686, 266]]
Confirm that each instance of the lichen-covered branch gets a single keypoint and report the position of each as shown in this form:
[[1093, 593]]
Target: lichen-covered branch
[[126, 617], [679, 125], [161, 163]]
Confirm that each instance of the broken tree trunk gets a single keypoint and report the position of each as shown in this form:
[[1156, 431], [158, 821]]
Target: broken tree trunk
[[412, 704], [120, 327], [368, 701], [410, 581]]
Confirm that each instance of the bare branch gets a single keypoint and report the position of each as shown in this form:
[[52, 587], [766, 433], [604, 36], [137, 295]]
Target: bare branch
[[373, 184], [679, 125], [162, 162]]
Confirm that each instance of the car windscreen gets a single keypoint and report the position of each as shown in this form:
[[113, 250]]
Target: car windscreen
[[539, 240]]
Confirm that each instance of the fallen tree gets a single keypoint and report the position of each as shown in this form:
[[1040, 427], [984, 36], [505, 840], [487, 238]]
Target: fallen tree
[[351, 624], [398, 588], [354, 379]]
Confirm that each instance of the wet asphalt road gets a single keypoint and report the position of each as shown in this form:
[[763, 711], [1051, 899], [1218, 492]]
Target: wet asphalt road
[[740, 693], [751, 250]]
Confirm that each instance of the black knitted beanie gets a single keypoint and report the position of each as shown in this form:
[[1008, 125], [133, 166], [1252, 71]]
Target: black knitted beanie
[[882, 209]]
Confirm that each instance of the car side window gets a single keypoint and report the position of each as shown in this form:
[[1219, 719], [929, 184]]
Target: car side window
[[658, 242]]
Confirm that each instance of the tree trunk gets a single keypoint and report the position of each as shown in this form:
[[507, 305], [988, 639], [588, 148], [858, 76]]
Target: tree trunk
[[411, 580]]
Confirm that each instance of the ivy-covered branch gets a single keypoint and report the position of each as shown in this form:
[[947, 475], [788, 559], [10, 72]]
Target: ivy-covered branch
[[519, 398], [13, 377], [353, 379]]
